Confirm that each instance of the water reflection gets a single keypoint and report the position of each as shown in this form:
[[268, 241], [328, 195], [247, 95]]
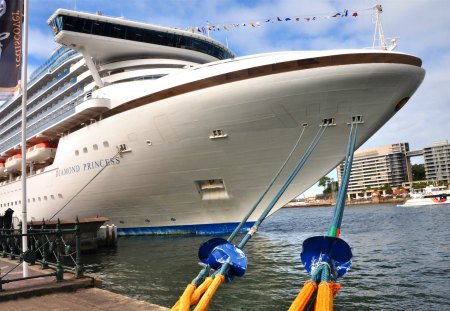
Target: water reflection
[[400, 261]]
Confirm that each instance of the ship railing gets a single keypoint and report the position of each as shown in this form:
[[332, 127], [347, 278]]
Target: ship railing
[[39, 105], [30, 100], [44, 122], [49, 244], [34, 79], [49, 85], [53, 96], [50, 64]]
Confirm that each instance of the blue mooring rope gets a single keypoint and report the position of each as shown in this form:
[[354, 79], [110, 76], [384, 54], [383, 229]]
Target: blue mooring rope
[[340, 202], [224, 268]]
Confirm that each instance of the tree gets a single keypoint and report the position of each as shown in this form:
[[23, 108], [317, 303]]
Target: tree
[[387, 188], [328, 185], [324, 181], [420, 185], [418, 171]]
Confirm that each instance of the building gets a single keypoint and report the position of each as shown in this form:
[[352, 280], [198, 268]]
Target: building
[[437, 161], [374, 167]]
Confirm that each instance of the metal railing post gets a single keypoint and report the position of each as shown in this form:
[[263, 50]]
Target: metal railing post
[[78, 265], [12, 244], [59, 267], [44, 247]]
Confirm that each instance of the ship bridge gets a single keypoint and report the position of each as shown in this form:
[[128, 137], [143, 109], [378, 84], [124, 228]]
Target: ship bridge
[[108, 39]]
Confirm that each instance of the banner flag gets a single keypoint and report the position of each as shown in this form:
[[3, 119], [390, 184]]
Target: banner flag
[[11, 12]]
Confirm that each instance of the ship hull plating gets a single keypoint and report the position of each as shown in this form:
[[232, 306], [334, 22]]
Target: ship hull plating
[[169, 148]]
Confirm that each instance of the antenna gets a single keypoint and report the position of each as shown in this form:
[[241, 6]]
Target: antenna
[[377, 10], [379, 34]]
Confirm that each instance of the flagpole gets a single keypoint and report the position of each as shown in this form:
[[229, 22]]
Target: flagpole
[[24, 134]]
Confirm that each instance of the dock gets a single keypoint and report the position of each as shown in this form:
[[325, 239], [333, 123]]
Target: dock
[[71, 294]]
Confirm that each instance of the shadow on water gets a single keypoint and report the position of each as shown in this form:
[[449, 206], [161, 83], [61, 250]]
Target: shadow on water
[[400, 261]]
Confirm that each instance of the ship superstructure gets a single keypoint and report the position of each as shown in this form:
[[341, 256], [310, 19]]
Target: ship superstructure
[[166, 131]]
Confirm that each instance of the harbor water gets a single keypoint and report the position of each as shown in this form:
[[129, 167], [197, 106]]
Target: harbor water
[[401, 261]]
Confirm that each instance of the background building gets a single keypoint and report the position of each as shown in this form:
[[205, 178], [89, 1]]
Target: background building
[[375, 167], [437, 161]]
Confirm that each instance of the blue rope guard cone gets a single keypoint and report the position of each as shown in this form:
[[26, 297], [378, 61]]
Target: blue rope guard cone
[[217, 252], [334, 252]]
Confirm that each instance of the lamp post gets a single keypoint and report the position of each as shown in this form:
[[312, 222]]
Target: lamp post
[[24, 134]]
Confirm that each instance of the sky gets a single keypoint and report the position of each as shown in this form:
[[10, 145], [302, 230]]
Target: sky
[[421, 26]]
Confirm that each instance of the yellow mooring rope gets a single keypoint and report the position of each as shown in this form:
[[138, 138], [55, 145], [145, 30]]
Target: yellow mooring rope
[[304, 296]]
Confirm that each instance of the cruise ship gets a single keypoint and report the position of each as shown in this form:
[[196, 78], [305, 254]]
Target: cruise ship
[[164, 131]]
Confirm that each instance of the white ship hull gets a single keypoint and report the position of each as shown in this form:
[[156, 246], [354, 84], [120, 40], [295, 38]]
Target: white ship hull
[[151, 187], [424, 202]]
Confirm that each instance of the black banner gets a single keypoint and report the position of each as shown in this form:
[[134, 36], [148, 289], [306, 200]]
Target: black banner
[[11, 12]]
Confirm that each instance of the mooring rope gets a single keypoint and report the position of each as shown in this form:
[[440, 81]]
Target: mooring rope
[[224, 268], [319, 253], [342, 193], [269, 186], [198, 291]]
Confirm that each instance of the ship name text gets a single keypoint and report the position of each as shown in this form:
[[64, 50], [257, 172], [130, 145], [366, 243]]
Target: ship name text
[[87, 166]]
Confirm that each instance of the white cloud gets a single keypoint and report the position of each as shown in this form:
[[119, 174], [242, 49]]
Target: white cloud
[[40, 44]]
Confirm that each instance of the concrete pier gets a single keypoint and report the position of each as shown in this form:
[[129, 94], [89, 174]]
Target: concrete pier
[[45, 293]]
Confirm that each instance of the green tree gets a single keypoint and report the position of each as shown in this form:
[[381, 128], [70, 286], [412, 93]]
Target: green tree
[[328, 185], [420, 185], [418, 171], [387, 188], [324, 181]]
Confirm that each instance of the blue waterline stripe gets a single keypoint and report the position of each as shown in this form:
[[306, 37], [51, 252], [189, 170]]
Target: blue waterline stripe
[[200, 229]]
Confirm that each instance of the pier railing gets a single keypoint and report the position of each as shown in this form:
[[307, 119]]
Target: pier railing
[[49, 245]]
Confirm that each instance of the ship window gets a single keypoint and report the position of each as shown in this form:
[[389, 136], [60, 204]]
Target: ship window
[[105, 144], [60, 195], [77, 152], [45, 197], [95, 147], [85, 150], [34, 200], [52, 197], [106, 29], [39, 199]]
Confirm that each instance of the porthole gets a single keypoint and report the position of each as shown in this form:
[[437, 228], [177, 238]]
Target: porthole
[[95, 147], [52, 197], [105, 144], [85, 150], [77, 152], [45, 197], [60, 195]]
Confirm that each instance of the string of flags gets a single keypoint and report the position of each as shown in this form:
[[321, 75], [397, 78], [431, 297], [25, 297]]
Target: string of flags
[[208, 27]]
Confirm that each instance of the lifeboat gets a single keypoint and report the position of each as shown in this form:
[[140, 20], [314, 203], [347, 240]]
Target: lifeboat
[[41, 152], [14, 163], [2, 169]]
